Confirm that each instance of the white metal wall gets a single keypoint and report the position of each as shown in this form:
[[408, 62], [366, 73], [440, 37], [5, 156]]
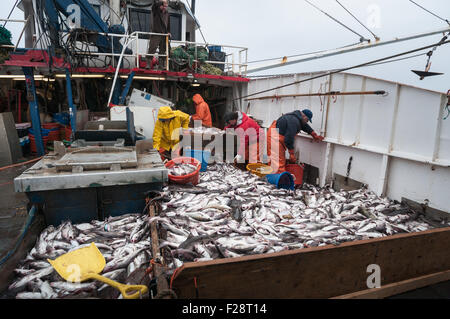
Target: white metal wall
[[400, 143]]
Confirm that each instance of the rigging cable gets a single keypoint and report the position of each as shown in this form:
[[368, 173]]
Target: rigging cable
[[9, 15], [303, 54], [445, 20], [346, 69], [372, 64], [361, 38], [396, 60], [374, 35]]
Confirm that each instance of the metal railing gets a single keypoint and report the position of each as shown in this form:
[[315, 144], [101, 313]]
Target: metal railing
[[238, 53], [25, 24]]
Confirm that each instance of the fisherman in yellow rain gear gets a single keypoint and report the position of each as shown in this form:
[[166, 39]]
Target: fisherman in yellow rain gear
[[167, 130]]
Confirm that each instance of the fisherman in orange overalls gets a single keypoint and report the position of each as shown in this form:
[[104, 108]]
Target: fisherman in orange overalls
[[281, 135]]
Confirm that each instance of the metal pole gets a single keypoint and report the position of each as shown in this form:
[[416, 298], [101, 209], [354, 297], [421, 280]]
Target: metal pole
[[127, 88], [20, 107], [72, 107], [167, 53], [137, 51], [349, 49], [34, 109]]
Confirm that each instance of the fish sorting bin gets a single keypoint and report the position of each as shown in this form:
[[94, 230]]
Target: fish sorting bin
[[83, 196], [284, 180], [201, 156]]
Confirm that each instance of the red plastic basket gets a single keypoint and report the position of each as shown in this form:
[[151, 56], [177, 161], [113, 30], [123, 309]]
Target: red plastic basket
[[33, 146], [189, 178], [67, 133], [54, 128]]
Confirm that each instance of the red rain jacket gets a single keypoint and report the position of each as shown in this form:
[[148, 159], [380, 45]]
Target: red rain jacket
[[245, 123]]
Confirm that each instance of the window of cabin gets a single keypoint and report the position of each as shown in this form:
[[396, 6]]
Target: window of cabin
[[140, 20], [175, 26]]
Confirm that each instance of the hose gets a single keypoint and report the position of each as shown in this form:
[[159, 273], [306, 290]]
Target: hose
[[20, 164]]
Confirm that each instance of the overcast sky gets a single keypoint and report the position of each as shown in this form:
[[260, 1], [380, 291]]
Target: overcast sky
[[287, 27], [276, 28]]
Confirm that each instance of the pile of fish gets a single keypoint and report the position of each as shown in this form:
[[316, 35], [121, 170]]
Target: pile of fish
[[123, 241], [182, 169], [233, 213]]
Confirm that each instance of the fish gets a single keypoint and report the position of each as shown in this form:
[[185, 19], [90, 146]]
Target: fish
[[71, 287], [47, 291], [20, 284], [182, 169], [192, 240], [36, 278], [230, 213], [122, 262], [273, 219], [29, 295]]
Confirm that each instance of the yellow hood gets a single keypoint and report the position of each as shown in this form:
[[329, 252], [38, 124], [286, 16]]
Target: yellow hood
[[165, 113]]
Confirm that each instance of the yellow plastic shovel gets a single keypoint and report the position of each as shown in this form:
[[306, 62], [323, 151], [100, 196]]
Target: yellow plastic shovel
[[87, 263]]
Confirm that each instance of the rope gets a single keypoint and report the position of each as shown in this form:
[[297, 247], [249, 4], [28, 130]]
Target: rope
[[445, 20], [345, 69], [361, 38], [174, 275], [374, 35]]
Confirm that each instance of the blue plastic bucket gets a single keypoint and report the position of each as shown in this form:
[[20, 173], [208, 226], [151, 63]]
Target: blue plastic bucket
[[202, 156], [284, 180], [62, 118]]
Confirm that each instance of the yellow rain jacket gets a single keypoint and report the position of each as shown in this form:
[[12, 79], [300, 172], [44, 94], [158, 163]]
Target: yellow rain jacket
[[162, 136]]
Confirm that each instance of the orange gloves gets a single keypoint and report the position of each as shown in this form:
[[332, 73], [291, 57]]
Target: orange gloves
[[316, 137]]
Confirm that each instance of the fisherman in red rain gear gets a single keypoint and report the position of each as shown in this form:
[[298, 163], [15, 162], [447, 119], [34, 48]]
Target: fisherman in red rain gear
[[250, 134]]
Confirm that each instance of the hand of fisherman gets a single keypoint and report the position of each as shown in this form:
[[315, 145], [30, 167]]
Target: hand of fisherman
[[316, 137]]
